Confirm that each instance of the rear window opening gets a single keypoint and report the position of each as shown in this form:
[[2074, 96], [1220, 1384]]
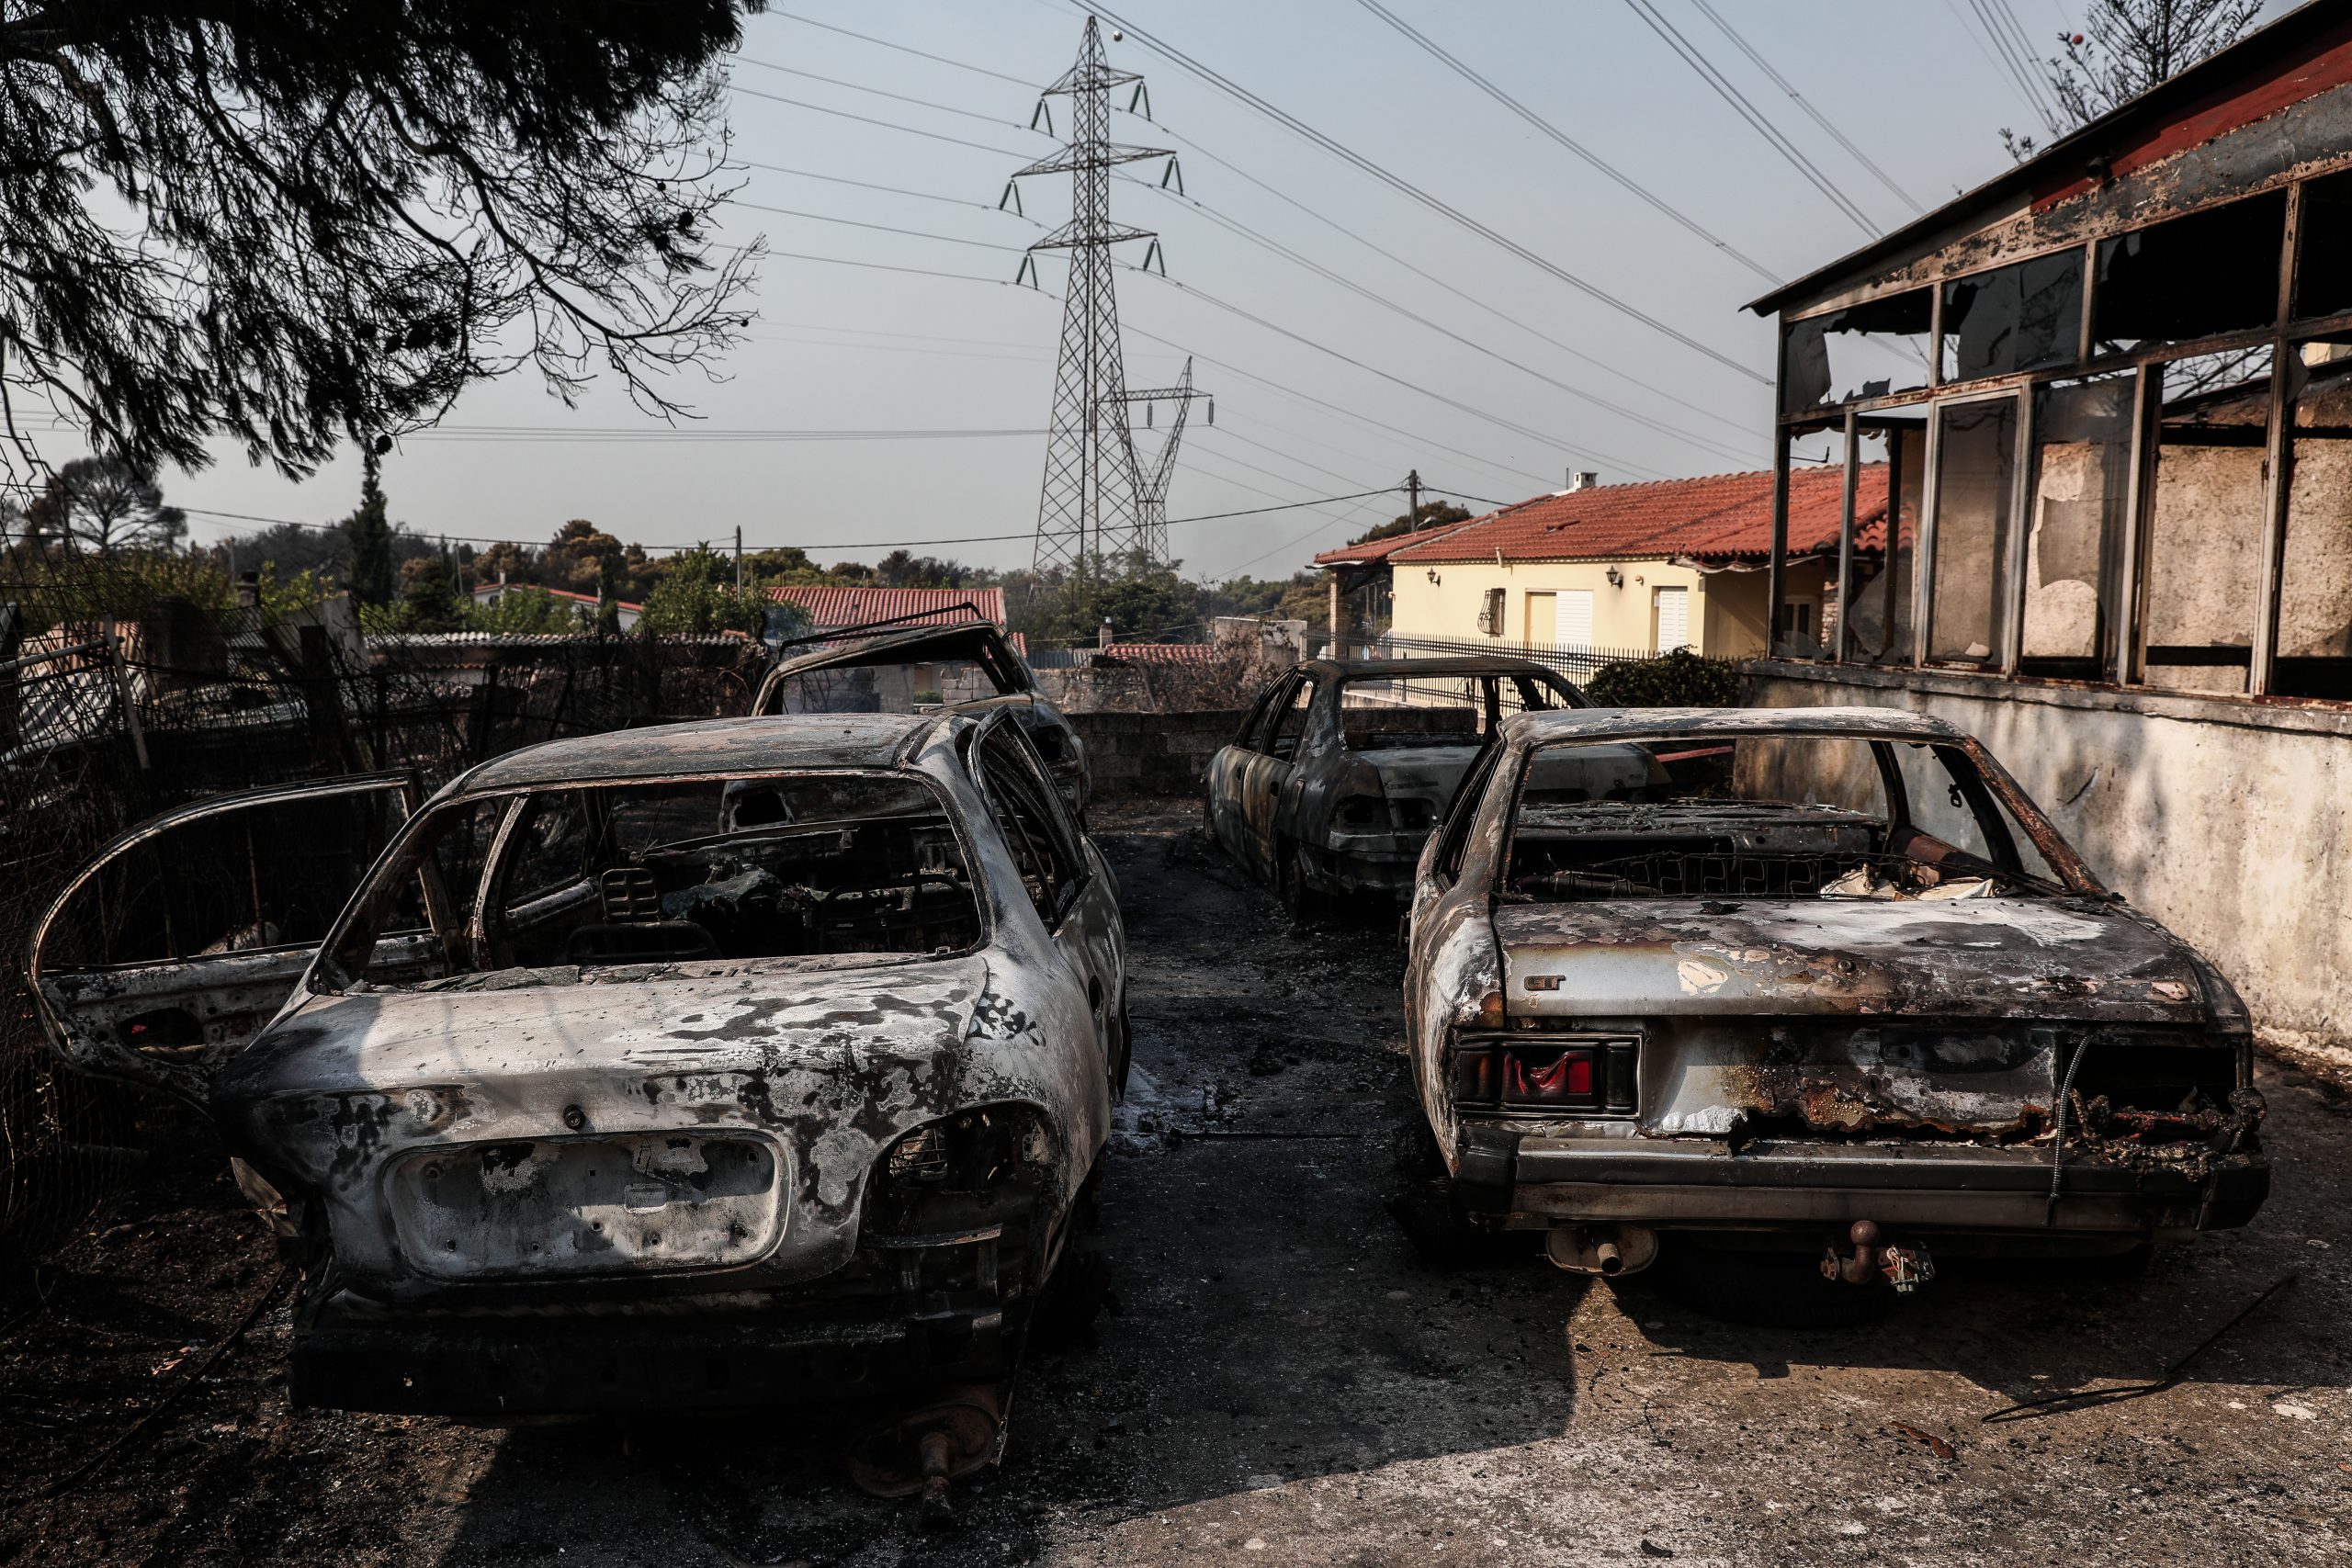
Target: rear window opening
[[1784, 817], [557, 884], [1386, 713]]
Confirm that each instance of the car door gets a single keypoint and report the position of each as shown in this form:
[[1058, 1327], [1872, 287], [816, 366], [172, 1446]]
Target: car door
[[1224, 781], [171, 949], [1259, 779], [1070, 886]]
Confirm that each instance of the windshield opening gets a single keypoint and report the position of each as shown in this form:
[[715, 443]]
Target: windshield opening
[[1771, 817], [1389, 713], [557, 885], [913, 687]]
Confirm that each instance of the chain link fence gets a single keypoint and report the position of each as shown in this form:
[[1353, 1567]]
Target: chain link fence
[[115, 704]]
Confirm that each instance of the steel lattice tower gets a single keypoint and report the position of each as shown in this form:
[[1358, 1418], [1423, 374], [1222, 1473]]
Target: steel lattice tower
[[1151, 484], [1090, 516]]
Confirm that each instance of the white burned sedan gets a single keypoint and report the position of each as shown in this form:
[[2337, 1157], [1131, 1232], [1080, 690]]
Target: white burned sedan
[[1835, 984], [737, 1062]]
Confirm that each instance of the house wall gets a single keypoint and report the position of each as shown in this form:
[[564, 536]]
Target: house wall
[[1728, 608], [2229, 821]]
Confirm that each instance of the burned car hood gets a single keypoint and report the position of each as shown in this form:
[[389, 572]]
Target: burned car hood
[[2050, 958]]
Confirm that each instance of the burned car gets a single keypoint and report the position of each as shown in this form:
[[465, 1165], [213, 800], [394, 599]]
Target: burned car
[[1837, 984], [966, 666], [1341, 769], [735, 1062]]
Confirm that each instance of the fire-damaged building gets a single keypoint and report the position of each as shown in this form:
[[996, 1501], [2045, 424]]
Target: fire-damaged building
[[2113, 388]]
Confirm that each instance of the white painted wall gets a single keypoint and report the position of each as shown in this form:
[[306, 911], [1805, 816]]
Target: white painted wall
[[1726, 609]]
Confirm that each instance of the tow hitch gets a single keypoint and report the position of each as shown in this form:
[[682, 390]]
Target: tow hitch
[[1905, 1268], [922, 1450]]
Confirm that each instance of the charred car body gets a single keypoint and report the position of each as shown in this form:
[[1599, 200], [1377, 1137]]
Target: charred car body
[[1836, 981], [967, 667], [1341, 769], [737, 1061]]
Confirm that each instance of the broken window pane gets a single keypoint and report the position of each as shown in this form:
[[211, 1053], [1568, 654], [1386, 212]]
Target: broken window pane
[[2028, 316], [1878, 601], [2205, 530], [1976, 465], [2323, 270], [2077, 527], [2314, 650], [1864, 351], [2211, 272]]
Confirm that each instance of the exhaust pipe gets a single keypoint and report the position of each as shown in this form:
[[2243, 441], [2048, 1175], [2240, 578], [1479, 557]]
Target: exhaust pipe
[[1606, 1250]]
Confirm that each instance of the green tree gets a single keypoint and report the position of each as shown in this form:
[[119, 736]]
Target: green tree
[[1429, 514], [525, 608], [429, 595], [697, 597], [370, 533], [296, 224]]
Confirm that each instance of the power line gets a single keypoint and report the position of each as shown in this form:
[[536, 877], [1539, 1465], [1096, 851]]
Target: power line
[[1407, 188], [904, 48], [1618, 175], [1277, 247], [869, 119], [869, 185], [883, 228], [624, 432], [878, 92], [1507, 320], [1246, 232], [1799, 98], [850, 545], [1691, 56]]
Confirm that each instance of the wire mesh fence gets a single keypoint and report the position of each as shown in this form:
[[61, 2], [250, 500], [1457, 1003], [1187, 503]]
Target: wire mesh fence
[[1577, 664], [116, 702]]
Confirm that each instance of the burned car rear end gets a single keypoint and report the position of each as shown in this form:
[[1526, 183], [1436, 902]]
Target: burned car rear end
[[1835, 985], [749, 1062]]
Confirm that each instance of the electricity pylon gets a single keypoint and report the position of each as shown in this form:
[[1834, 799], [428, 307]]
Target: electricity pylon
[[1151, 485], [1090, 512]]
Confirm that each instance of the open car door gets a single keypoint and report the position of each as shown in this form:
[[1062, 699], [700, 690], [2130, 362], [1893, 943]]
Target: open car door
[[171, 949]]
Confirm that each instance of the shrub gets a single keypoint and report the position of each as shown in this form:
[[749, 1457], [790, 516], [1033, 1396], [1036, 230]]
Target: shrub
[[1677, 680]]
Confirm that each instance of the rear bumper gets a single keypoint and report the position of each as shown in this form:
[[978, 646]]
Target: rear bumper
[[1700, 1184], [508, 1366], [1357, 871]]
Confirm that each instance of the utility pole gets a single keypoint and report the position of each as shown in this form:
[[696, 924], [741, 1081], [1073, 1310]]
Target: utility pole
[[1088, 511], [738, 558], [1413, 507]]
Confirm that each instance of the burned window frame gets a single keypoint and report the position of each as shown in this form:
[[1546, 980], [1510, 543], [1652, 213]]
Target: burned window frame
[[2123, 662]]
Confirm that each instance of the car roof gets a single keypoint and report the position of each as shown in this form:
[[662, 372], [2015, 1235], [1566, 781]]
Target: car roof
[[714, 746], [904, 645], [1538, 727]]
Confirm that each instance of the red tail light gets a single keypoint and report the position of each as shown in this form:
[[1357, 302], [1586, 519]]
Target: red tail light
[[1540, 1078], [1585, 1076]]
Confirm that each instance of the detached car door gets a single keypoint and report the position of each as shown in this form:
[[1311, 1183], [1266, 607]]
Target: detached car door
[[169, 951]]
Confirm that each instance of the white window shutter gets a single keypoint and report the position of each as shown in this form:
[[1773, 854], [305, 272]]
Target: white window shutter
[[1673, 618], [1573, 614]]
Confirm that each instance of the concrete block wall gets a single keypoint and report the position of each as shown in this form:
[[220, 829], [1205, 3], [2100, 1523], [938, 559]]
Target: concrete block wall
[[1153, 753]]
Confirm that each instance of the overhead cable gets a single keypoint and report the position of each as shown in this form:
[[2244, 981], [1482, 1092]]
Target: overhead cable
[[1696, 59], [1617, 175], [1407, 188]]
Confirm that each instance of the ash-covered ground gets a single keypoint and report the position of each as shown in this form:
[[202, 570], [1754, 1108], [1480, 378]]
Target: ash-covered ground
[[1285, 1381]]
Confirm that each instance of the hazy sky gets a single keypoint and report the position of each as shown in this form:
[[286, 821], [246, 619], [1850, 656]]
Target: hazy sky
[[846, 348]]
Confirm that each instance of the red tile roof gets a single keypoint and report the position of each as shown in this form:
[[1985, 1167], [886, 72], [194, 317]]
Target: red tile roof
[[1379, 550], [829, 607], [489, 593], [1715, 517], [1158, 652]]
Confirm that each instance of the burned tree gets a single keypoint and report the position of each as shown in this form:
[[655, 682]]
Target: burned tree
[[296, 225], [2125, 48]]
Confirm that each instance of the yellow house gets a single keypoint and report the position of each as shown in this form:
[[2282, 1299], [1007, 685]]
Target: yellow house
[[1632, 569]]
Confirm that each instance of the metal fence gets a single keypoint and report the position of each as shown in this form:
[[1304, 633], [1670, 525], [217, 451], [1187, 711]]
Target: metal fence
[[115, 704], [1576, 664]]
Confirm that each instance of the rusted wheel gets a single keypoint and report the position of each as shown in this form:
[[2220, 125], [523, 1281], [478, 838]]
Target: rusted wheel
[[1300, 900]]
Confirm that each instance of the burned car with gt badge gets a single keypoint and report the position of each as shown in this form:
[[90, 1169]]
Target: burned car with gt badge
[[1835, 985], [744, 1062]]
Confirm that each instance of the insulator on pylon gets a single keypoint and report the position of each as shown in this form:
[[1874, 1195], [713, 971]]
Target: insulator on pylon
[[1142, 95], [1152, 254], [1011, 199], [1212, 411], [1044, 111], [1027, 269], [1146, 416], [1172, 173]]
